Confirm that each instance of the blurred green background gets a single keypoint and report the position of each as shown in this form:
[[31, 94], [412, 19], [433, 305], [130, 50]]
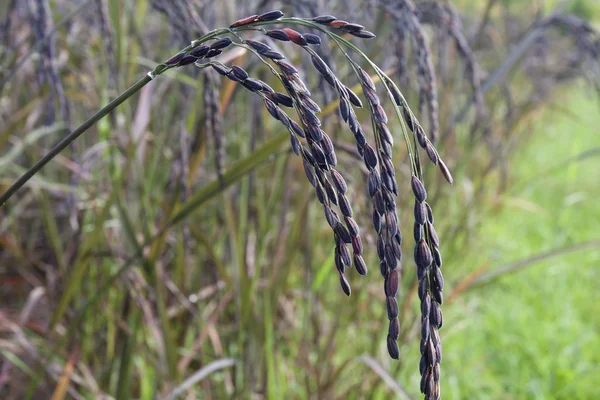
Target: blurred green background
[[240, 298]]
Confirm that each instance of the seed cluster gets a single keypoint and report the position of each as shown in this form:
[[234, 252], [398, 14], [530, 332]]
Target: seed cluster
[[315, 147]]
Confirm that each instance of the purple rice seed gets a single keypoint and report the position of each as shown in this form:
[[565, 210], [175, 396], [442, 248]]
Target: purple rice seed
[[282, 99], [260, 47], [437, 257], [344, 109], [239, 72], [286, 67], [422, 289], [431, 153], [385, 134], [381, 247], [339, 265], [221, 43], [363, 34], [392, 348], [391, 283], [331, 193], [339, 182], [331, 159], [370, 157], [345, 207], [349, 27], [380, 115], [352, 226], [366, 79], [345, 285], [426, 305], [273, 55], [383, 268], [345, 254], [394, 328], [423, 257], [392, 307], [357, 244], [213, 53], [445, 171], [297, 128], [376, 221], [324, 19], [199, 51], [296, 146], [175, 59], [371, 97], [320, 65], [418, 232], [433, 237], [360, 265], [220, 68], [429, 213], [418, 189], [327, 144], [374, 182], [278, 34], [438, 295], [321, 196], [379, 202], [354, 99], [187, 60], [392, 222], [329, 216], [420, 213], [343, 233], [390, 257], [270, 15], [312, 39], [254, 85], [425, 331]]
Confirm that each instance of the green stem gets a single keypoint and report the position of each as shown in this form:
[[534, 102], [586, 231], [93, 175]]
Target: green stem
[[67, 140]]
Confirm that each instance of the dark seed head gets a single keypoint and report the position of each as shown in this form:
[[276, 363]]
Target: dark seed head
[[349, 27], [353, 97], [445, 171], [360, 265], [380, 115], [345, 285], [344, 109], [392, 348], [324, 19], [220, 68], [423, 257], [282, 99], [220, 43], [391, 283], [437, 257], [366, 79], [297, 128], [312, 38], [187, 60], [339, 182], [426, 306], [258, 46], [394, 329], [420, 213], [390, 257], [270, 15], [363, 34], [343, 233], [418, 232], [374, 182], [376, 221], [254, 85], [385, 134], [272, 108], [239, 72], [431, 153], [381, 247], [392, 307], [326, 143], [392, 222], [345, 207], [287, 68], [199, 51], [176, 58], [345, 254], [370, 157], [422, 289], [435, 241], [279, 34], [383, 268], [274, 55], [379, 202], [213, 53], [352, 226], [418, 189], [357, 245], [429, 213], [320, 65]]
